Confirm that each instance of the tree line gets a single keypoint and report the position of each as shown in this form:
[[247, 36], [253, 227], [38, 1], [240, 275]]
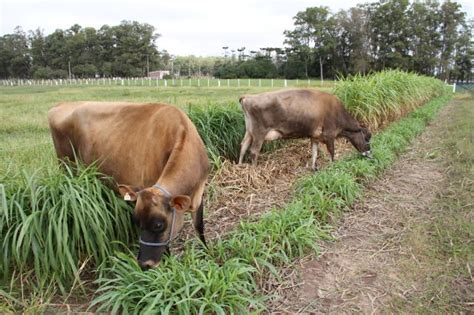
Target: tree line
[[427, 37], [125, 50]]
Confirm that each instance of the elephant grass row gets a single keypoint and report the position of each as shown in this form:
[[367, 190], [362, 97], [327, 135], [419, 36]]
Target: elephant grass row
[[225, 278], [382, 97]]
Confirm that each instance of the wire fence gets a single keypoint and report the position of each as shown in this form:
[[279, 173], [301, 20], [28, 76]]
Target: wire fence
[[464, 87], [180, 82]]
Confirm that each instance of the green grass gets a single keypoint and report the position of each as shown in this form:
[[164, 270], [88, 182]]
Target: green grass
[[52, 225], [260, 248]]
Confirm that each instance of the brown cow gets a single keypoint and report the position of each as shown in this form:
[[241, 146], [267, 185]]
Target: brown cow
[[299, 113], [153, 150]]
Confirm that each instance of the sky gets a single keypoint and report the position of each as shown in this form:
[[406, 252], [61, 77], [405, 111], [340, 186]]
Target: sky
[[199, 27]]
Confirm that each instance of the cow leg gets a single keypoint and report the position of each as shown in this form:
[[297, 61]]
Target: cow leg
[[255, 149], [244, 146], [330, 147], [198, 221], [314, 154]]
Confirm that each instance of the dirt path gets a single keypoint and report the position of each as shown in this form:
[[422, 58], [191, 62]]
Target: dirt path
[[366, 270]]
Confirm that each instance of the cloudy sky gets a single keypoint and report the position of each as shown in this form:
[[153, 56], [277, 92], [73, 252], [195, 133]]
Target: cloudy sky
[[199, 27]]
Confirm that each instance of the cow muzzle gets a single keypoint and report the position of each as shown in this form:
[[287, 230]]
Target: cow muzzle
[[149, 258]]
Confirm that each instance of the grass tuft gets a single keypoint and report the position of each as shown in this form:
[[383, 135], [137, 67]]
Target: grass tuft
[[55, 224]]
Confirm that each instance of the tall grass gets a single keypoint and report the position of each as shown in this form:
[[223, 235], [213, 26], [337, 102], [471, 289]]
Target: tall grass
[[385, 96], [55, 224], [257, 249], [221, 127]]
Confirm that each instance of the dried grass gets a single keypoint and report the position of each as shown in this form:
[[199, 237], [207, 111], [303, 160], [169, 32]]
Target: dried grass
[[247, 191]]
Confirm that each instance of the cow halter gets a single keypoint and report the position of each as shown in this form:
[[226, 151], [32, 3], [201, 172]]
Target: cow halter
[[159, 244]]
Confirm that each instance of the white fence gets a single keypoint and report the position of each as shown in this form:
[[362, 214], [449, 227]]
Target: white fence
[[199, 82]]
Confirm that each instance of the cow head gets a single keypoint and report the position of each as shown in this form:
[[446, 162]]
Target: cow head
[[159, 217], [361, 141]]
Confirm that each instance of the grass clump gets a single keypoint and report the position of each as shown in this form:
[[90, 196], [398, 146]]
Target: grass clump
[[385, 96], [55, 224], [221, 127], [224, 280]]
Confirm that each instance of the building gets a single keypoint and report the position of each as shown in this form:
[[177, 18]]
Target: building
[[158, 74]]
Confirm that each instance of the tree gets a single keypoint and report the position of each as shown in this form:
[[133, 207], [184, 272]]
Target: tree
[[313, 37], [425, 43], [15, 60], [451, 19], [464, 54]]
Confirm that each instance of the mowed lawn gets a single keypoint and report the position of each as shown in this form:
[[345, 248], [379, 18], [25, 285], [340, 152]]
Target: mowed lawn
[[25, 141]]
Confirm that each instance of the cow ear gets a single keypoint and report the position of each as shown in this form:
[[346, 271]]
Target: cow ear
[[127, 192], [181, 203]]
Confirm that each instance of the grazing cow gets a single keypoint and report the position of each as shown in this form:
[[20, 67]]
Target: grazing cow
[[299, 113], [155, 154]]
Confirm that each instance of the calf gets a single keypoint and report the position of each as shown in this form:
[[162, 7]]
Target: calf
[[299, 113], [155, 154]]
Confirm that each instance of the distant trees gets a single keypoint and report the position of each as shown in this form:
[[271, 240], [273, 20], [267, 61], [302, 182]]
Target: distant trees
[[427, 37], [424, 36], [128, 49]]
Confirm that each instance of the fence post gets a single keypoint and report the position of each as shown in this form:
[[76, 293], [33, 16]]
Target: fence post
[[286, 83], [454, 87], [228, 83], [272, 82], [219, 82], [259, 82]]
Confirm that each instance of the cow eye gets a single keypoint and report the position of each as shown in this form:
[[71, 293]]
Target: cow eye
[[158, 227]]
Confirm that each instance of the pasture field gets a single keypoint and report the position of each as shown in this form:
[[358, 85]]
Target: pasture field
[[229, 276]]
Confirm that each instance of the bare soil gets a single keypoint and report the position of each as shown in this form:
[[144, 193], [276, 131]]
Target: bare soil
[[363, 271]]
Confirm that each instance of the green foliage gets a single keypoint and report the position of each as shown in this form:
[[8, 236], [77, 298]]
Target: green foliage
[[221, 127], [385, 96], [190, 285], [53, 224]]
